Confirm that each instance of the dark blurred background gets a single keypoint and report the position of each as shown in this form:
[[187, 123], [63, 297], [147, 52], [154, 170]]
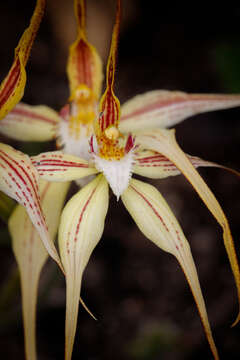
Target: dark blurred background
[[144, 307]]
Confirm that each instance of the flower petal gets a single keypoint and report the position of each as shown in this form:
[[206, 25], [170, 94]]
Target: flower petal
[[155, 219], [81, 227], [162, 108], [31, 254], [30, 123], [156, 166], [56, 166], [12, 87], [165, 143], [109, 107], [84, 64], [19, 180]]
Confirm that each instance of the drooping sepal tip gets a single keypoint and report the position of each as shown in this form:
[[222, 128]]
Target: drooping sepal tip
[[237, 320]]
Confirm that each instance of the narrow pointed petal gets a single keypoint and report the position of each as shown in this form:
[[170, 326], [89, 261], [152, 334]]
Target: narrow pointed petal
[[165, 143], [84, 64], [163, 109], [12, 87], [30, 123], [156, 166], [56, 166], [31, 254], [156, 221], [19, 180], [109, 104], [81, 228]]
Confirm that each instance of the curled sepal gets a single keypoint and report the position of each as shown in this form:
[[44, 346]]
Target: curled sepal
[[12, 87], [156, 166], [56, 166], [157, 222], [19, 180], [109, 105], [30, 123], [164, 142], [81, 227], [31, 254], [84, 65], [162, 108]]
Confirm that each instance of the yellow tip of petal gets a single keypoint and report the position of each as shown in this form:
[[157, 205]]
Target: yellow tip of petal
[[236, 321], [87, 309]]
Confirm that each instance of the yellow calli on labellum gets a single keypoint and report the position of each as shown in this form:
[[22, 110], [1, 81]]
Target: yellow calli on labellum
[[96, 137], [153, 153]]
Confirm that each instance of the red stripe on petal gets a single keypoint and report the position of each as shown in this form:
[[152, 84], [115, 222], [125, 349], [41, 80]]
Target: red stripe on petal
[[20, 110], [10, 83], [82, 213], [151, 206]]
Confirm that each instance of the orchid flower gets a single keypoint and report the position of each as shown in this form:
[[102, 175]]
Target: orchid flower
[[115, 154]]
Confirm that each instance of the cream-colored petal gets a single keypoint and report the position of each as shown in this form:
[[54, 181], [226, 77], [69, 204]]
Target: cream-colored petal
[[30, 123], [165, 143], [56, 166], [157, 222], [19, 180], [156, 166], [81, 228], [31, 254], [162, 108]]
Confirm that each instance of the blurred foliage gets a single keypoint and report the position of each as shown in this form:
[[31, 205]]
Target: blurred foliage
[[227, 59], [155, 341]]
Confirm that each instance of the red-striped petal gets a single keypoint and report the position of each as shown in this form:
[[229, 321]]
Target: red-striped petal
[[30, 123], [19, 180], [109, 105], [56, 166], [157, 166], [164, 109]]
